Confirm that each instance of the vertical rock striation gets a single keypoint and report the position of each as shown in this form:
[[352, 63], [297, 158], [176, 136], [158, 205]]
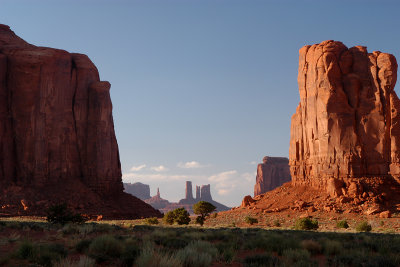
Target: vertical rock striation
[[273, 172], [346, 125]]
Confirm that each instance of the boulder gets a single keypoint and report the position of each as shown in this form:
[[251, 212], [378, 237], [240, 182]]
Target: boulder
[[247, 200]]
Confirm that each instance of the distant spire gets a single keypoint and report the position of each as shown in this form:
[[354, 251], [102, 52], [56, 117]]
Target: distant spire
[[158, 191]]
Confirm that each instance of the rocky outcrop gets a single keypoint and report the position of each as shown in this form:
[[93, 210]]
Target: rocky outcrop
[[138, 190], [57, 138], [157, 202], [273, 172], [205, 193], [188, 191], [346, 126]]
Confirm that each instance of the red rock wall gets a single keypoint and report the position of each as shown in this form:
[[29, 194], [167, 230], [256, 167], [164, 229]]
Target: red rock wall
[[347, 122], [56, 118], [273, 172]]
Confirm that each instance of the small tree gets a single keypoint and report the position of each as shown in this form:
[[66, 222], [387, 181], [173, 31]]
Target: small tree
[[203, 209], [62, 214], [179, 216]]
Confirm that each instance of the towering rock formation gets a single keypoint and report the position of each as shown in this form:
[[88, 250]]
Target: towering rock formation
[[273, 172], [157, 202], [189, 191], [205, 193], [56, 129], [138, 190], [345, 133], [197, 192]]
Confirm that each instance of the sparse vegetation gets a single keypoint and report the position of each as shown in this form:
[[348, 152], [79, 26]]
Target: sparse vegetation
[[363, 227], [306, 224], [203, 209], [250, 220], [151, 221], [342, 224], [134, 243]]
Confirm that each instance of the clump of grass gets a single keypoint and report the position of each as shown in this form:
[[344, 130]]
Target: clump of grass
[[342, 224], [151, 221], [131, 252], [363, 227], [296, 257], [150, 257], [43, 255], [104, 248], [311, 246], [250, 220], [261, 260], [197, 254], [82, 245], [306, 224], [332, 247], [84, 261]]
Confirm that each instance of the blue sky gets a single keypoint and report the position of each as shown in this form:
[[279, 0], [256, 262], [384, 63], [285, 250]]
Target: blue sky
[[202, 90]]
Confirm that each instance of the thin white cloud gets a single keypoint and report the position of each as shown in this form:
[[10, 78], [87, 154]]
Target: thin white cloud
[[138, 168], [190, 165], [160, 168], [253, 163]]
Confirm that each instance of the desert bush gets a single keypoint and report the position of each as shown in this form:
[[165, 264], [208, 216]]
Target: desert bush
[[151, 221], [104, 248], [277, 223], [261, 260], [306, 224], [84, 261], [226, 251], [179, 216], [250, 220], [311, 246], [197, 254], [203, 209], [342, 224], [61, 214], [363, 227]]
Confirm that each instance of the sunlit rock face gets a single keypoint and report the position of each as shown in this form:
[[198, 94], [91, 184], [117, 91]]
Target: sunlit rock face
[[347, 122], [57, 139], [273, 172]]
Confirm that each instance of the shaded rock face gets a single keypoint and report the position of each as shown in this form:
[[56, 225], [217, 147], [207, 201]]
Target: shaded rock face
[[273, 172], [56, 126], [205, 193], [138, 190], [347, 123], [189, 191]]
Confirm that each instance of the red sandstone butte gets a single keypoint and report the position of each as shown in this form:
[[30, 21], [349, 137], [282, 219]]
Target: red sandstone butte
[[57, 139], [273, 172], [345, 134]]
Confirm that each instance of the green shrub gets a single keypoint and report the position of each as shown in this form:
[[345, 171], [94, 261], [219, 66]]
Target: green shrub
[[342, 224], [62, 215], [363, 227], [179, 216], [250, 220], [84, 261], [298, 257], [203, 209], [261, 260], [104, 248], [306, 224], [131, 252], [332, 247], [151, 221]]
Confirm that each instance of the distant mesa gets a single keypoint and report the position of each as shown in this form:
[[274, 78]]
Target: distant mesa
[[273, 172], [203, 193], [138, 190], [57, 139]]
